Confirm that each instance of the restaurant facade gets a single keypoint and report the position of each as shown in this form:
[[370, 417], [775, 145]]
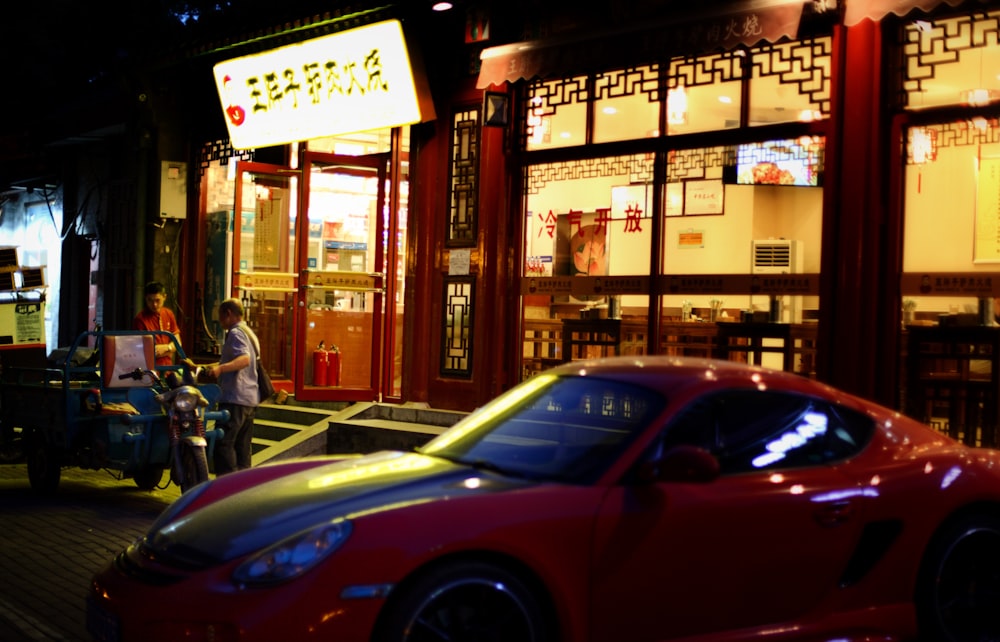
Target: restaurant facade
[[432, 212]]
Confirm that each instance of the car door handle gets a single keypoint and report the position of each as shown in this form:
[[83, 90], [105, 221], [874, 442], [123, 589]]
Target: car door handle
[[834, 513]]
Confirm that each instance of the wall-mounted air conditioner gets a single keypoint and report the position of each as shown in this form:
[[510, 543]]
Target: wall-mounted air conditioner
[[777, 256], [780, 256]]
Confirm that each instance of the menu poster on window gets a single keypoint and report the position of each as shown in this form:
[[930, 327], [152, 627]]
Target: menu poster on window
[[987, 231], [267, 234]]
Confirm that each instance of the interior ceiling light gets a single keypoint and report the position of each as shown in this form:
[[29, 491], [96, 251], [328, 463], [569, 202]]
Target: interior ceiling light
[[978, 97], [441, 6], [677, 106]]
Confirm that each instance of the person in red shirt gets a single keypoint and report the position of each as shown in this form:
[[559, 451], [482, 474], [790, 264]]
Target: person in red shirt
[[156, 317]]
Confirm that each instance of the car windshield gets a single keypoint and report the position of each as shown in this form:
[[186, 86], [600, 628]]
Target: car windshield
[[561, 428]]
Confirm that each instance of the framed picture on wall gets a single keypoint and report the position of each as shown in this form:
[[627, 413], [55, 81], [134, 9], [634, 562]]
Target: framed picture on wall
[[704, 196]]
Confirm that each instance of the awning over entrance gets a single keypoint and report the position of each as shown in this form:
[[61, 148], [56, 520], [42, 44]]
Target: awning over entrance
[[754, 21], [858, 10]]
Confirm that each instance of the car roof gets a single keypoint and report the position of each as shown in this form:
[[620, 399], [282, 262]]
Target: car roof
[[669, 374]]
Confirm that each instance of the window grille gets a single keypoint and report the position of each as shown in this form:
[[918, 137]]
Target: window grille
[[457, 330], [464, 182], [220, 152]]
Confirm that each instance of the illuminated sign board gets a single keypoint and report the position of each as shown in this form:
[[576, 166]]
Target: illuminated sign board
[[345, 82]]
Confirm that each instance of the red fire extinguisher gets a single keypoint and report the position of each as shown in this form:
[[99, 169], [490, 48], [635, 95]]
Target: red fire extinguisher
[[320, 365], [333, 366]]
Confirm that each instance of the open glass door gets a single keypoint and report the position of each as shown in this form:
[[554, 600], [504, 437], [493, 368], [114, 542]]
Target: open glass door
[[342, 287], [264, 250]]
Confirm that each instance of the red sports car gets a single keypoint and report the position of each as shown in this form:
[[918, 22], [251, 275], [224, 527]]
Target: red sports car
[[635, 498]]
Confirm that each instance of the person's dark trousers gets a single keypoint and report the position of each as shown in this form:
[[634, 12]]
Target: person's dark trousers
[[234, 450]]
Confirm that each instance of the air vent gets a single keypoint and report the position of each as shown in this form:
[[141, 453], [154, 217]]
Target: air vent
[[775, 256], [768, 255]]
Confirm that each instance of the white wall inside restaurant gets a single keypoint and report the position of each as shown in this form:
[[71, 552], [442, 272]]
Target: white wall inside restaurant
[[940, 219]]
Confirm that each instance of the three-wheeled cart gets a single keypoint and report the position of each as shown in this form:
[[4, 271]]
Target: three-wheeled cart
[[82, 412]]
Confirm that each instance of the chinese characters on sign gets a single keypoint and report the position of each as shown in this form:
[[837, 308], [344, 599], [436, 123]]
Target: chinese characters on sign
[[948, 284], [345, 280], [779, 284], [585, 286], [266, 281], [355, 80]]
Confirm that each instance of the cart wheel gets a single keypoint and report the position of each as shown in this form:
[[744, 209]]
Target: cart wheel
[[43, 467], [195, 465], [148, 478]]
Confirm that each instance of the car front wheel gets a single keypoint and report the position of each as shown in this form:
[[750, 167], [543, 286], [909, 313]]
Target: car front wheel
[[958, 595], [466, 602]]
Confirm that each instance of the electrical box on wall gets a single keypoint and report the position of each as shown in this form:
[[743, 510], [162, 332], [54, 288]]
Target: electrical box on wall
[[173, 189]]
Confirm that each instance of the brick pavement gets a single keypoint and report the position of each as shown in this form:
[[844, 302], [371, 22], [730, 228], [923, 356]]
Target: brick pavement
[[52, 545]]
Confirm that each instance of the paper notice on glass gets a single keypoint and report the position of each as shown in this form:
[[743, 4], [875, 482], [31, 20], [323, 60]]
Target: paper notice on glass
[[458, 262], [986, 248]]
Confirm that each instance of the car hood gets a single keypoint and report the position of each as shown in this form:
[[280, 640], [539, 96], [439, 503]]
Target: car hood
[[261, 515]]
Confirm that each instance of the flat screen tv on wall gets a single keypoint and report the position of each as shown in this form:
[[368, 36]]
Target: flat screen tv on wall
[[795, 162]]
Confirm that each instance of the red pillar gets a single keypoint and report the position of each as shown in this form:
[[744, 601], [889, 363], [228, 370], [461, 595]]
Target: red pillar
[[857, 285]]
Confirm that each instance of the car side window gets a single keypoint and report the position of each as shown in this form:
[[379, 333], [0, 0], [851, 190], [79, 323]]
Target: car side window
[[750, 430]]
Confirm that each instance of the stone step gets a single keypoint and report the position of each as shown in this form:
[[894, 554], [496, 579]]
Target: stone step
[[283, 431]]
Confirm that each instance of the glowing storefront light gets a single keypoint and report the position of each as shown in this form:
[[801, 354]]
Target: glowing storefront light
[[677, 106], [346, 82]]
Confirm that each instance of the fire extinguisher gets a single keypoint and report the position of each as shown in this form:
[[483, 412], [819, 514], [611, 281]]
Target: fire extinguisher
[[320, 365], [333, 366]]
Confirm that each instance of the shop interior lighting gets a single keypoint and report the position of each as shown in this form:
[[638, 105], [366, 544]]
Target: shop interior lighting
[[978, 97], [677, 106], [923, 144]]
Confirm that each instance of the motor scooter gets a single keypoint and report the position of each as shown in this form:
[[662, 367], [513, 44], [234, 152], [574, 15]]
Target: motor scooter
[[184, 404]]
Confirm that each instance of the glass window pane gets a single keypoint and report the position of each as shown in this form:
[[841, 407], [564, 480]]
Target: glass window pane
[[557, 113], [626, 106], [947, 212], [790, 82], [724, 244], [703, 94], [589, 218], [952, 61]]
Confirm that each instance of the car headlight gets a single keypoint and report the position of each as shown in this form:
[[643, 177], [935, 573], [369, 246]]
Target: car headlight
[[292, 556]]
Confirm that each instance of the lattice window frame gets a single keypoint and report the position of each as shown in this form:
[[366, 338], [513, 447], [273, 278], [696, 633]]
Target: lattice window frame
[[458, 326], [463, 180], [619, 83], [220, 152], [921, 58], [962, 133], [639, 168], [691, 163], [795, 63]]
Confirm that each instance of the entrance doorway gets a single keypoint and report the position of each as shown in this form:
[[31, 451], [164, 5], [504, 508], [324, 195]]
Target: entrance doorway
[[317, 261]]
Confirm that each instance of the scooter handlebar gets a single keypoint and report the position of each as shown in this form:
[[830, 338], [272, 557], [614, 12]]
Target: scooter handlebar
[[136, 374]]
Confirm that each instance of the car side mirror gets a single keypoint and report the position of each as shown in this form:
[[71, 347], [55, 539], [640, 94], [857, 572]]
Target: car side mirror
[[684, 463]]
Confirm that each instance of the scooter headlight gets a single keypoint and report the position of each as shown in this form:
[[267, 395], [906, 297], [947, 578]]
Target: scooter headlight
[[186, 402]]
